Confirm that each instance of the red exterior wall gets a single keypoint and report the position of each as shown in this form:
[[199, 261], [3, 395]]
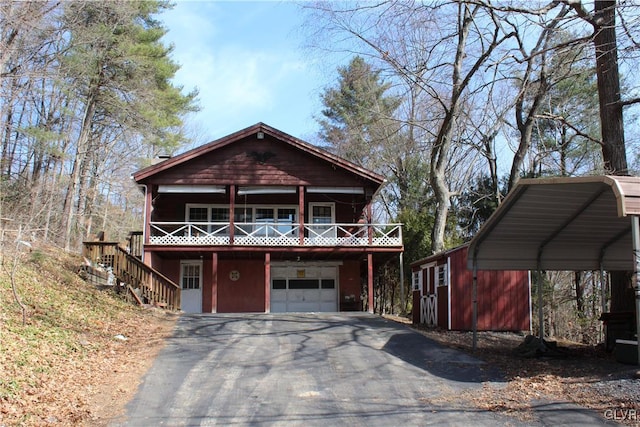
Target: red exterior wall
[[443, 306], [250, 161], [247, 293], [503, 296], [207, 285], [168, 267], [349, 282]]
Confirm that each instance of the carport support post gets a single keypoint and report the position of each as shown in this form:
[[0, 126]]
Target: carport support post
[[475, 305], [635, 237], [603, 290], [540, 301]]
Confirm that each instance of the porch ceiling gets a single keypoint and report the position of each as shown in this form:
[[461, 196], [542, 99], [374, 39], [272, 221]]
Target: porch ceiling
[[279, 255], [561, 224]]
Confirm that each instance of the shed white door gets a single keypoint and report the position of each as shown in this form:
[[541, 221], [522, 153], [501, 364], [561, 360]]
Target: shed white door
[[304, 289], [191, 280]]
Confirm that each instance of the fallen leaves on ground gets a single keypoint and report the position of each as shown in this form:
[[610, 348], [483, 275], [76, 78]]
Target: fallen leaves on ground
[[582, 374]]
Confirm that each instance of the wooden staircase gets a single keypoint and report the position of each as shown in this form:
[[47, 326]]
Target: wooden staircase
[[143, 283]]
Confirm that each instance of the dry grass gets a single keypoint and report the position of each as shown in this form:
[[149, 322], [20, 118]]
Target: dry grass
[[585, 375], [64, 366]]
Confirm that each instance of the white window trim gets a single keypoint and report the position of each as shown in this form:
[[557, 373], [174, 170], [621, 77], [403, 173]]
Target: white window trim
[[425, 270], [197, 262], [201, 189], [272, 207], [332, 205], [445, 279], [417, 280], [248, 207], [337, 190], [244, 190]]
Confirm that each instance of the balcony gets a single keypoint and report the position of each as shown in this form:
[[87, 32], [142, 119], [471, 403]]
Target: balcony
[[274, 234]]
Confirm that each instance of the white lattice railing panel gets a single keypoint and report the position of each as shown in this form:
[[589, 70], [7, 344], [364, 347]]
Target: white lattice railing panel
[[275, 234]]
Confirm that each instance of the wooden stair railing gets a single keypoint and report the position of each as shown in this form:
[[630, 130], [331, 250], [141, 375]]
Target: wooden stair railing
[[135, 242], [147, 284]]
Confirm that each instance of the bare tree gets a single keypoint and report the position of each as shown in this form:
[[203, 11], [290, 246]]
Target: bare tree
[[440, 49]]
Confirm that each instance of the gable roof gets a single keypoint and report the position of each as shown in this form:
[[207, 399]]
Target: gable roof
[[568, 223], [268, 130], [439, 255]]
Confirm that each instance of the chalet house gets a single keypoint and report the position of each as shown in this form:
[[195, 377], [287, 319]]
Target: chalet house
[[443, 295], [260, 221]]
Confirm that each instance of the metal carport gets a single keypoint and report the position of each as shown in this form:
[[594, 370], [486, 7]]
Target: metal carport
[[564, 223]]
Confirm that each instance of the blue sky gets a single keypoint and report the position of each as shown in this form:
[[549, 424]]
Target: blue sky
[[246, 59]]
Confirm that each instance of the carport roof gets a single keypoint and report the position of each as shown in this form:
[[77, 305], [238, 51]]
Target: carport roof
[[562, 223]]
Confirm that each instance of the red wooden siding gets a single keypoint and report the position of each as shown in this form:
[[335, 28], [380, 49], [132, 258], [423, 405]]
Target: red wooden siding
[[257, 162], [415, 313], [443, 306], [503, 296], [247, 293], [349, 284]]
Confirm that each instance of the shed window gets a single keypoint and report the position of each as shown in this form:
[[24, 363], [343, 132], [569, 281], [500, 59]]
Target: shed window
[[416, 280], [442, 275]]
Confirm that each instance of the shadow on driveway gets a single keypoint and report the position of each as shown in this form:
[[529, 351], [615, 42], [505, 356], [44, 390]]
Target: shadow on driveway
[[308, 369]]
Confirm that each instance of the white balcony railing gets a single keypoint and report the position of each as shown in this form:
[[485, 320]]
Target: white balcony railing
[[274, 234]]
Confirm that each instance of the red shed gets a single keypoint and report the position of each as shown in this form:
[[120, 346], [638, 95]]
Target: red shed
[[443, 295]]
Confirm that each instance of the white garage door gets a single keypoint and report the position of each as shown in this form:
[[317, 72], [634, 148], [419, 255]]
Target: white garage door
[[304, 289]]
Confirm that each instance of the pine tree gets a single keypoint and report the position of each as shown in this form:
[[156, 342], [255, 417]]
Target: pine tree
[[119, 71], [357, 113]]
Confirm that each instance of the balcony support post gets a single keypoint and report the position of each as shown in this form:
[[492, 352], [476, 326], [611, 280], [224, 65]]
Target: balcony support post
[[369, 222], [232, 211], [148, 206], [301, 214], [267, 282], [214, 282]]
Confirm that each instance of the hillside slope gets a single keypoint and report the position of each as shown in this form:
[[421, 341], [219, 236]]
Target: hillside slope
[[82, 352]]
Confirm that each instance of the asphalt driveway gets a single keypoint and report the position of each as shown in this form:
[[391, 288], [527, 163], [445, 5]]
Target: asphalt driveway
[[351, 369]]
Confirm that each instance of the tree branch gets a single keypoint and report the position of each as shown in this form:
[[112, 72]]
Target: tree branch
[[569, 125]]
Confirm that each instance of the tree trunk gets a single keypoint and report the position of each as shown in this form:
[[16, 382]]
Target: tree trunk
[[577, 276], [612, 125], [75, 181], [440, 151], [622, 294], [611, 118]]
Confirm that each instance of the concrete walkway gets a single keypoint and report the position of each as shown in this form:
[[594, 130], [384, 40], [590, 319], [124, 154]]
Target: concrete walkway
[[352, 369]]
